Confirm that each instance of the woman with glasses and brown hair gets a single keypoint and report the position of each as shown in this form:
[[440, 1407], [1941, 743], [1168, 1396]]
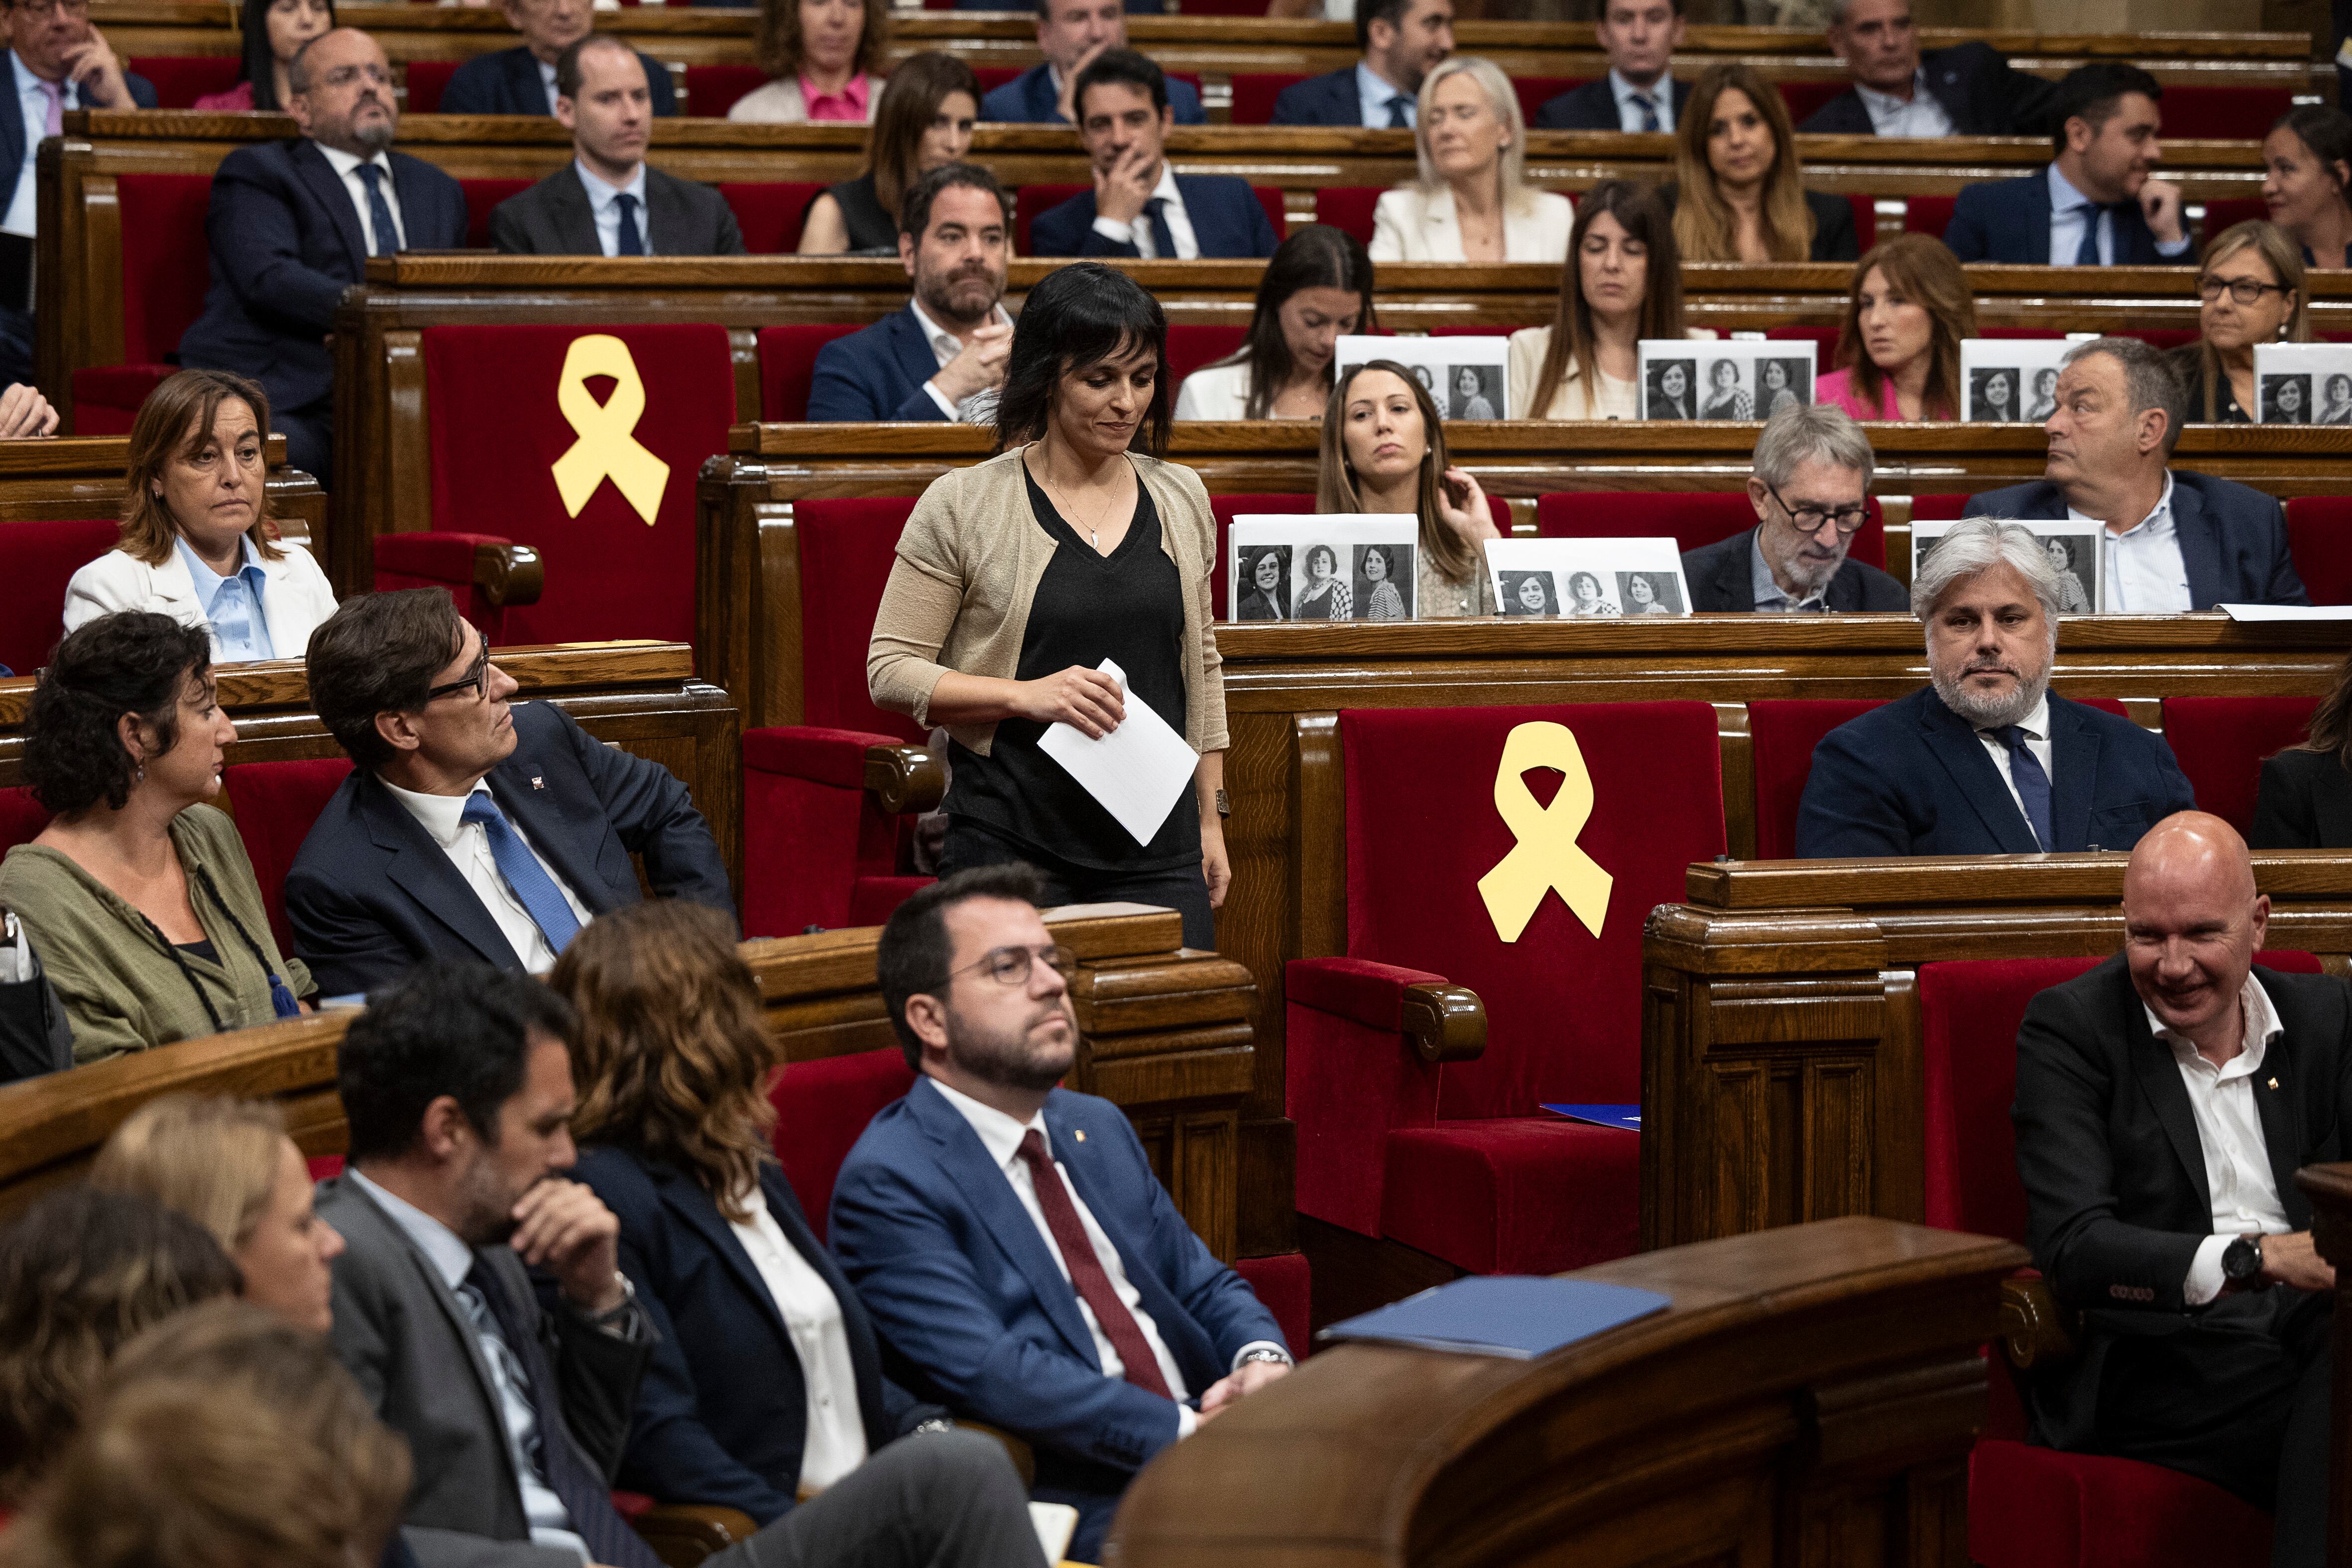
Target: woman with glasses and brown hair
[[2250, 292], [924, 121], [819, 56], [1898, 353], [1740, 192]]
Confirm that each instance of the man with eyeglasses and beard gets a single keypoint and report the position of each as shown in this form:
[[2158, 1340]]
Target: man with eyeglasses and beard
[[1009, 1238], [1810, 489], [1987, 760]]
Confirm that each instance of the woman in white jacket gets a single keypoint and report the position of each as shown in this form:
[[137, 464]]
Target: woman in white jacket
[[1473, 203], [196, 541]]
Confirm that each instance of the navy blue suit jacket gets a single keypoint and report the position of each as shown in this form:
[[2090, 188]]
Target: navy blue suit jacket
[[2008, 220], [2233, 538], [370, 893], [1593, 107], [721, 1417], [1722, 579], [1028, 100], [1912, 778], [286, 243], [508, 83], [11, 126], [874, 375], [1227, 219], [1983, 93], [1327, 100]]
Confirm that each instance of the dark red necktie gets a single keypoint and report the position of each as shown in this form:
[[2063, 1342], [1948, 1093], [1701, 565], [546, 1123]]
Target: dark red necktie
[[1118, 1325]]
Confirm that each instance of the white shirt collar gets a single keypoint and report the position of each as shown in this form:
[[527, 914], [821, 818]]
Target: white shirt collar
[[1657, 93], [441, 816], [2160, 516], [26, 82], [2064, 196], [939, 337], [1166, 189], [343, 163], [1881, 103], [2036, 722], [601, 194], [999, 1133], [444, 1248], [2261, 1027]]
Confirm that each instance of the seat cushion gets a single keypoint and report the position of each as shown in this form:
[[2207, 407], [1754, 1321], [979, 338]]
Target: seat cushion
[[2220, 743], [2036, 1508], [36, 561], [821, 1106], [1283, 1285], [1514, 1195], [768, 212], [275, 805], [788, 364]]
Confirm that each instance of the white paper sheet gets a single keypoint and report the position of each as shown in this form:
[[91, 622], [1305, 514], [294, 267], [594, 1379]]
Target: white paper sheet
[[1055, 1523], [1137, 771], [2287, 611]]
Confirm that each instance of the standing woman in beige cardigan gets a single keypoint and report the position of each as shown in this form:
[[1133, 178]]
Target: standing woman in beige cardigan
[[1017, 578]]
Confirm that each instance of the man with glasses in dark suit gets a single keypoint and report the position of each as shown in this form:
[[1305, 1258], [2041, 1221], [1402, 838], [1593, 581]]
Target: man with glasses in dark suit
[[1810, 489]]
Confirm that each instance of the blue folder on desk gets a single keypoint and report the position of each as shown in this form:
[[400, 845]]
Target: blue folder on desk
[[1516, 1315], [1628, 1117]]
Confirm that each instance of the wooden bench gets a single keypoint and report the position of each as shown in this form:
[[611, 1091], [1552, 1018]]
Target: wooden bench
[[77, 477]]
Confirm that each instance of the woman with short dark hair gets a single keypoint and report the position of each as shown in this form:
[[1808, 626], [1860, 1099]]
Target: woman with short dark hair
[[1018, 577], [923, 122], [820, 56], [139, 896], [1317, 290]]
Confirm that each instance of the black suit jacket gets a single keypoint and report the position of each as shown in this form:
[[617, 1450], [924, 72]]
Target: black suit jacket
[[1593, 107], [1327, 100], [1976, 84], [11, 126], [286, 243], [2009, 221], [1722, 577], [553, 218], [370, 893], [2233, 540], [1227, 219], [2305, 803], [508, 83], [2114, 1172]]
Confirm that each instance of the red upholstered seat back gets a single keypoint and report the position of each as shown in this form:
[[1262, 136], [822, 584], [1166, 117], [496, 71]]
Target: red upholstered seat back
[[181, 80], [1692, 517], [275, 805], [1927, 214], [21, 817], [1348, 207], [1804, 98], [1823, 339], [712, 90], [482, 197], [1254, 92], [1535, 91], [788, 367], [1563, 1007], [821, 1106], [1029, 202], [2221, 742], [847, 548], [427, 79], [990, 78], [769, 212], [163, 247], [36, 561], [1781, 736], [497, 432], [1190, 347], [2319, 537], [2224, 114], [2226, 213], [1228, 507], [1938, 509]]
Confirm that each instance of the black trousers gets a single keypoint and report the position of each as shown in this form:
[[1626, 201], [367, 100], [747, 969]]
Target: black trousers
[[945, 1500], [1181, 889]]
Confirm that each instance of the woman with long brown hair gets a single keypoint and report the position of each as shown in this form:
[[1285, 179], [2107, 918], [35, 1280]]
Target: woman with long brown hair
[[1317, 289], [1622, 283], [2250, 290], [1738, 192], [925, 119], [1384, 451], [1898, 353], [820, 56]]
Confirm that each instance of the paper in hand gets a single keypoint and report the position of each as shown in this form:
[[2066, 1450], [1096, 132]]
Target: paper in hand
[[1137, 771]]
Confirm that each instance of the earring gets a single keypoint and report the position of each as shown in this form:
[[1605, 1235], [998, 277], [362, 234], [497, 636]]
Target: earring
[[139, 774]]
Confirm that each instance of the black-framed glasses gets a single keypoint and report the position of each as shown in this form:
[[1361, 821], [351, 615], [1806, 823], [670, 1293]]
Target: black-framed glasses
[[1011, 965], [1809, 519], [2244, 290], [477, 677]]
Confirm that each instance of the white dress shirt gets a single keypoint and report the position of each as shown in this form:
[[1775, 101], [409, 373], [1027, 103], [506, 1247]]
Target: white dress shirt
[[605, 202], [1919, 115], [1139, 233], [2070, 209], [1373, 91], [979, 408], [1660, 93], [835, 1441], [2238, 1176], [347, 169], [1215, 392], [32, 104], [2145, 574], [2036, 725], [468, 845]]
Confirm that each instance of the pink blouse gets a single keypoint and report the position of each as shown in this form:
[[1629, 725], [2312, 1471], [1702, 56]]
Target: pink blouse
[[1837, 390], [238, 100], [849, 103]]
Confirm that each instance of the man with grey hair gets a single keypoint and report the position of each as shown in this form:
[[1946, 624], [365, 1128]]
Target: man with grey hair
[[1967, 89], [2175, 540], [1986, 760], [1810, 489]]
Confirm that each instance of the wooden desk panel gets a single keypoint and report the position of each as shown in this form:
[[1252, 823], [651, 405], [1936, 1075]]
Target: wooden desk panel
[[70, 477]]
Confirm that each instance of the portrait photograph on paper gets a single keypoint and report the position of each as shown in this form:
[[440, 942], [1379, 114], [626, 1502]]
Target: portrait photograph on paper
[[2302, 383], [1464, 376], [2074, 549], [1588, 578], [1739, 379], [1337, 567], [2010, 381]]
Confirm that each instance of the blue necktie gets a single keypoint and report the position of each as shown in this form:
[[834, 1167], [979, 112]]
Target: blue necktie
[[1400, 114], [631, 242], [1649, 108], [2033, 784], [542, 899], [387, 233], [2088, 255], [1162, 239]]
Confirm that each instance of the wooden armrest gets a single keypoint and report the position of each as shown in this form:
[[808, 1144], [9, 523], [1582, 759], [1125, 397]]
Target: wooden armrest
[[1444, 1022], [2035, 1331], [905, 779], [508, 572], [683, 1533], [1023, 1459], [293, 531]]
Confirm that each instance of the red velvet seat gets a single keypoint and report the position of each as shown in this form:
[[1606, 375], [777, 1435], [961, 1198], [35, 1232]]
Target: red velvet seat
[[443, 560], [1192, 346], [21, 817], [427, 81], [2226, 213], [482, 198], [1535, 91], [181, 80], [788, 367], [2221, 742], [1781, 736], [1927, 214], [769, 212], [163, 283], [496, 431], [1254, 92], [1692, 517], [1804, 99], [275, 805], [1938, 508], [1823, 339], [2224, 113], [36, 561], [711, 90], [1457, 1160], [1348, 207], [2319, 537]]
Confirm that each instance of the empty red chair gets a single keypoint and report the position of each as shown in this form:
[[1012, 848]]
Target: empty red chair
[[1781, 736], [482, 199], [2319, 537], [1458, 1159], [822, 1108], [275, 805], [1190, 347], [2223, 212], [1939, 508], [1805, 98], [36, 561], [427, 81], [1348, 207], [1927, 214], [769, 212], [2220, 743], [1535, 91], [457, 563], [1692, 517], [181, 80], [788, 367], [1254, 92], [21, 817], [2224, 113], [712, 90], [164, 282]]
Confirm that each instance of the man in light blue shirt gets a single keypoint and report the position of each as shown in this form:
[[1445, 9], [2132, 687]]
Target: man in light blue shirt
[[1638, 95], [2095, 204], [1400, 42], [231, 605]]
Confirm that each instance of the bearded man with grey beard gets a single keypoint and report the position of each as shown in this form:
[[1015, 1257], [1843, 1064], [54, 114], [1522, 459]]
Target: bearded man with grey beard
[[1987, 760]]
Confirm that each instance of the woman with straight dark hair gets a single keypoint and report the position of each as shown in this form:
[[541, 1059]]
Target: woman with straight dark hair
[[1317, 290], [1017, 577], [820, 56], [275, 32], [924, 121], [2305, 800], [1738, 192], [2307, 182], [1898, 353], [1384, 451], [1622, 283], [2250, 292]]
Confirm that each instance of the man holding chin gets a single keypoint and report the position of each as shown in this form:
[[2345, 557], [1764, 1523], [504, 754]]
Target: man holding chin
[[1986, 760]]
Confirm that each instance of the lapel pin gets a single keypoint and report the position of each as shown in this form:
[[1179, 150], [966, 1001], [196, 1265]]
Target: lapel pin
[[1080, 1133], [537, 781], [2274, 1083]]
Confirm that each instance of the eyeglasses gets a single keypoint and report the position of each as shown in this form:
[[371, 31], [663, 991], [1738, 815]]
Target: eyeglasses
[[1809, 519], [477, 677], [2244, 290], [1011, 965]]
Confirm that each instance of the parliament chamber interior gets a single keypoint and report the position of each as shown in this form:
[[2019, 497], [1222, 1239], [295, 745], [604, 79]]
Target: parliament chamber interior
[[1735, 1012]]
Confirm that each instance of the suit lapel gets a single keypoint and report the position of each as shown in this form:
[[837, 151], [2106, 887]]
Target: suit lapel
[[1438, 220], [12, 127], [1735, 576], [1080, 1158], [329, 190], [696, 1208], [2074, 748], [916, 363], [666, 218], [526, 89], [575, 220], [2277, 1090], [420, 868], [1039, 88], [2037, 215], [420, 206], [533, 809], [865, 1347], [2201, 547], [1963, 755], [2331, 805], [2159, 1078]]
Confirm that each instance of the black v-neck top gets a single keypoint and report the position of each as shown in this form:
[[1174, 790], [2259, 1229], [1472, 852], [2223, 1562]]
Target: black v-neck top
[[1128, 607]]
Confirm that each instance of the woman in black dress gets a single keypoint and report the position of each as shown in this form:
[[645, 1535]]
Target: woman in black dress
[[2306, 798], [925, 119]]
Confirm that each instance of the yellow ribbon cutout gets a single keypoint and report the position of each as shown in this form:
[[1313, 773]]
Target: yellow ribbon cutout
[[608, 446], [1546, 855]]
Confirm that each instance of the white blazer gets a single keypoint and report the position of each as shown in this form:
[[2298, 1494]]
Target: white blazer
[[1410, 224], [294, 597], [1216, 392]]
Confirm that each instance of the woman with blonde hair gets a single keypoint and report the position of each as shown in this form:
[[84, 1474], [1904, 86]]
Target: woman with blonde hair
[[1384, 451], [1738, 192], [925, 119], [1473, 202], [1899, 353], [820, 56], [2251, 291]]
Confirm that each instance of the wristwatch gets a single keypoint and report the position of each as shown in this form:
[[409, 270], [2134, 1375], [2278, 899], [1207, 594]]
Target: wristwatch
[[2241, 1262], [936, 1424], [1262, 1353], [612, 1317]]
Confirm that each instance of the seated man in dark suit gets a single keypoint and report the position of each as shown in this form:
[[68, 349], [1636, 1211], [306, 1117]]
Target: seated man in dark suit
[[1969, 90], [2165, 1101], [292, 225], [1141, 206], [470, 828], [2095, 203], [943, 356], [1986, 759], [1810, 489], [521, 81], [2175, 540], [1641, 38], [1070, 34], [1009, 1238], [1400, 40], [515, 1393], [610, 201]]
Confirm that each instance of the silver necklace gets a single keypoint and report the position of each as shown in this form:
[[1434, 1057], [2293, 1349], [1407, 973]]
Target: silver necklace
[[1094, 532]]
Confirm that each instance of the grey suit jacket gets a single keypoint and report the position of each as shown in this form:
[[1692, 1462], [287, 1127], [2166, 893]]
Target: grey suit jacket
[[553, 218], [408, 1340]]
